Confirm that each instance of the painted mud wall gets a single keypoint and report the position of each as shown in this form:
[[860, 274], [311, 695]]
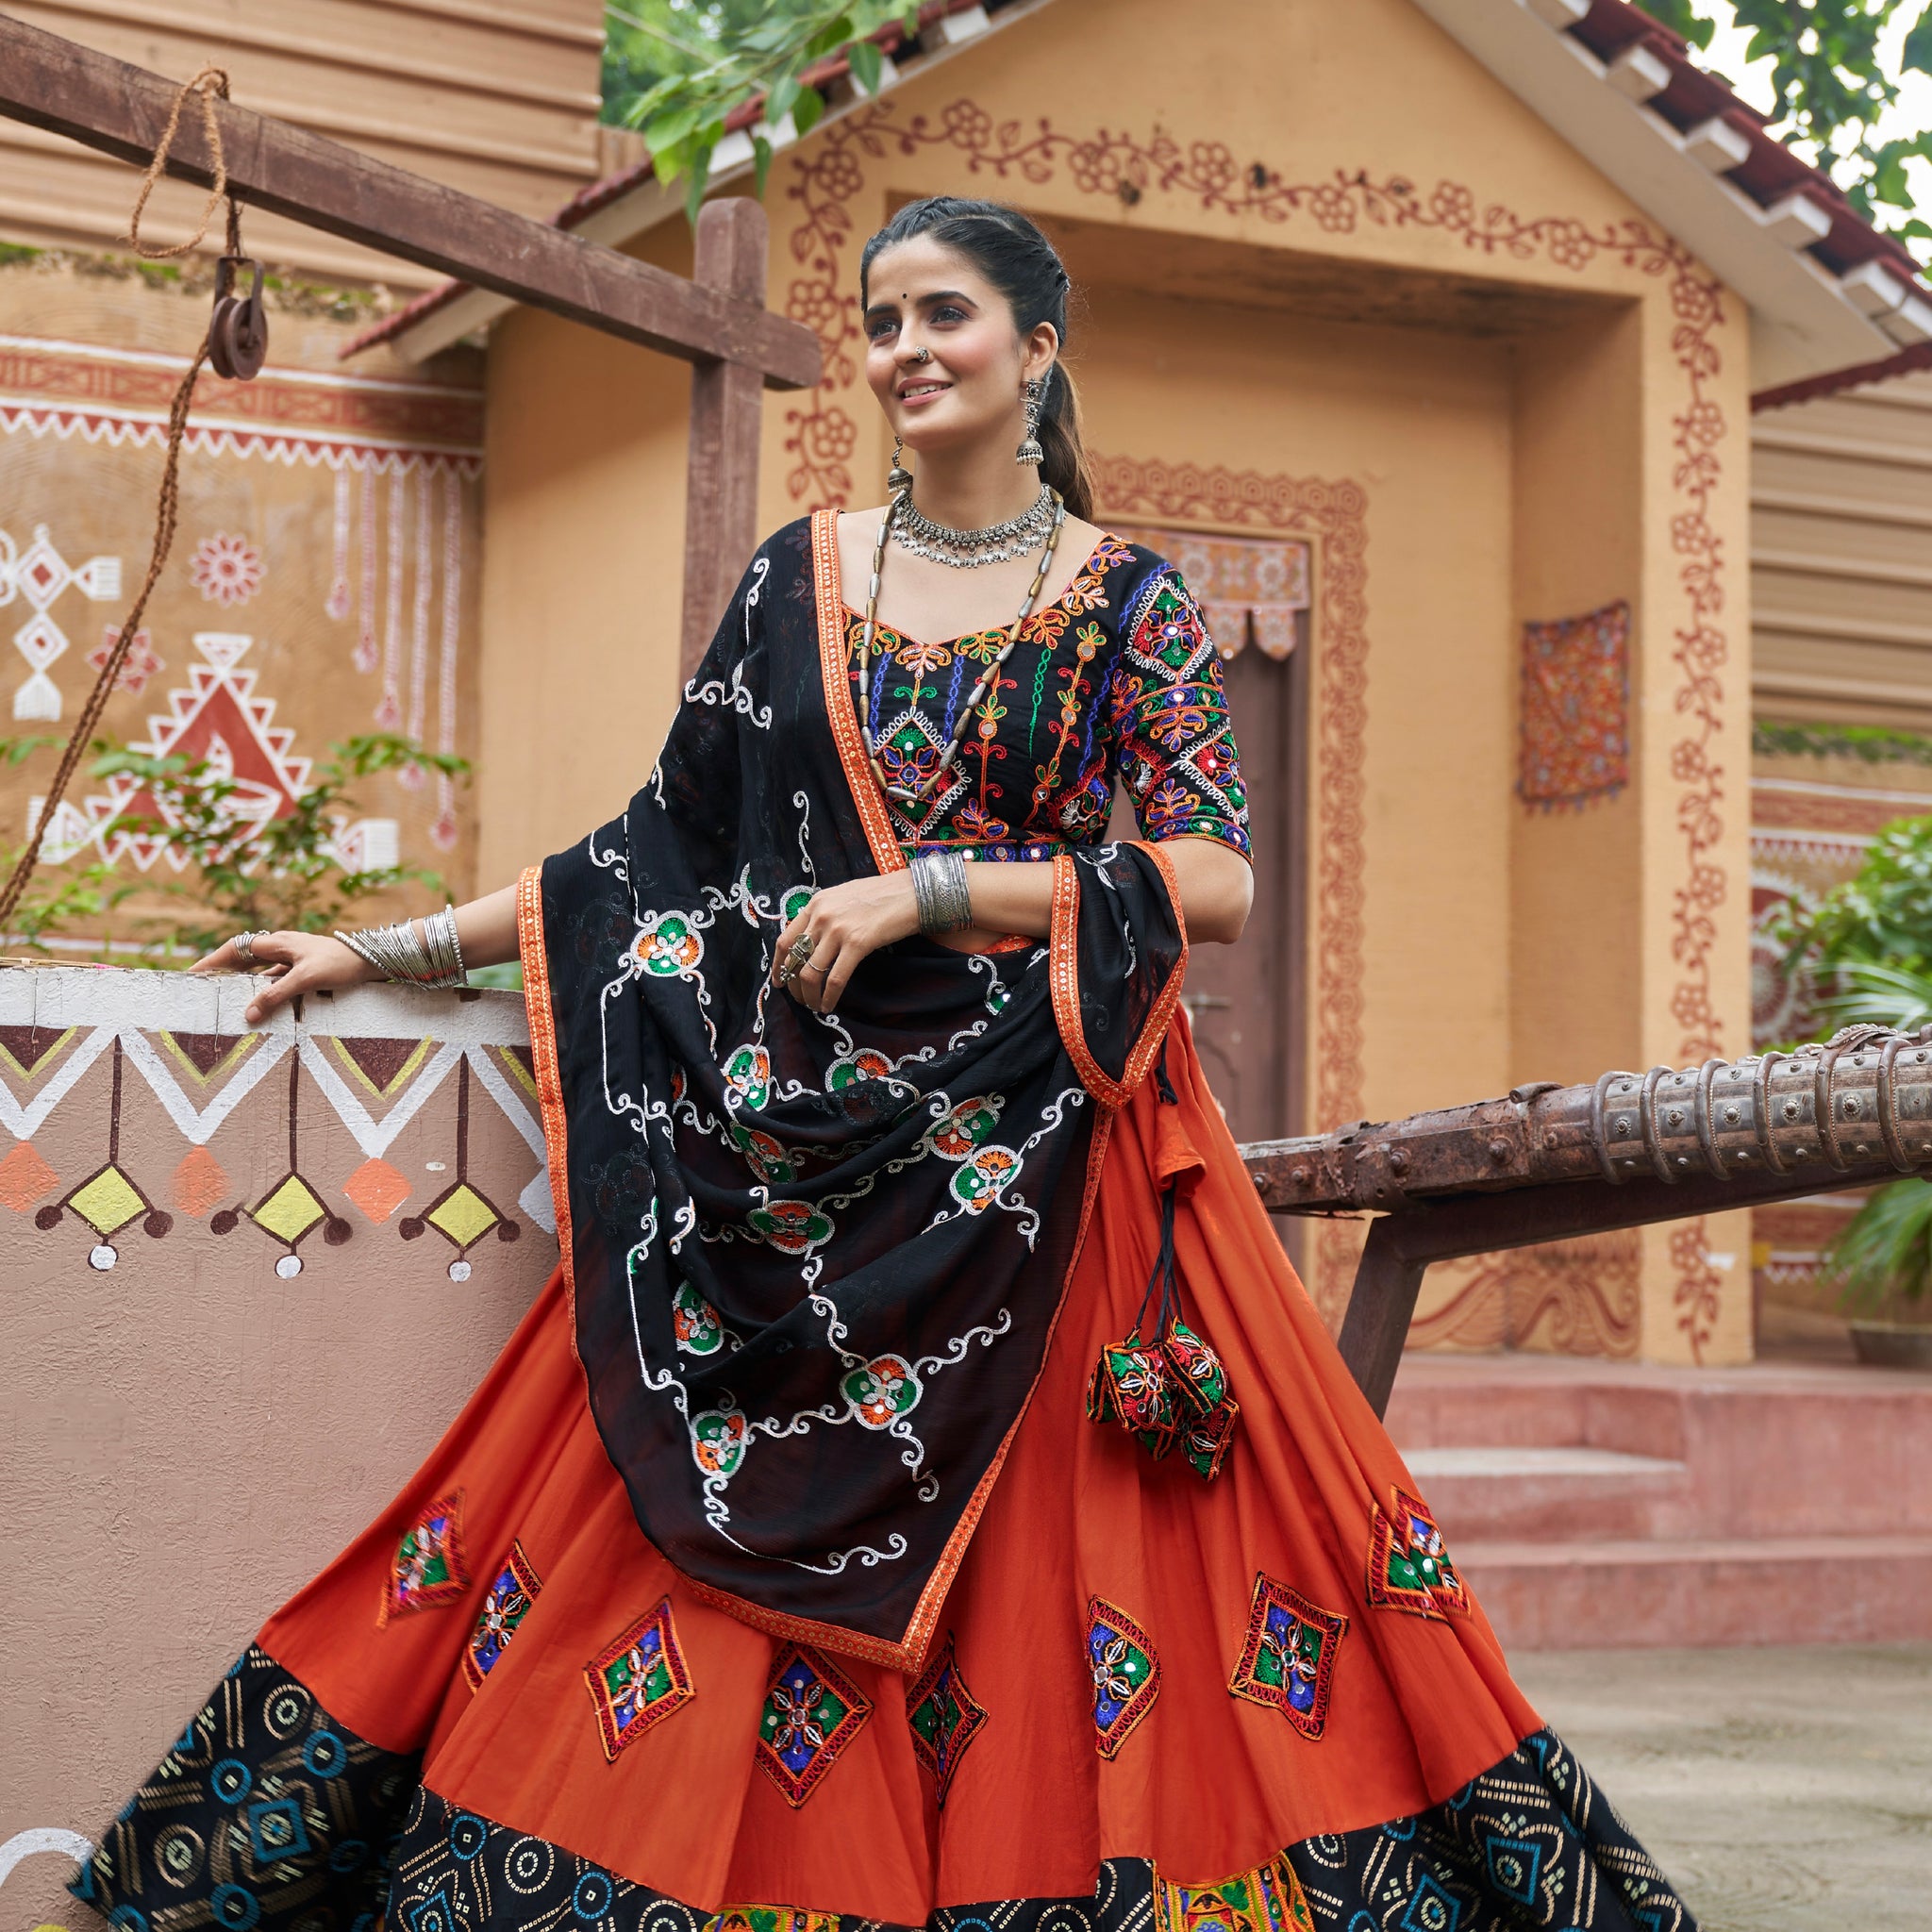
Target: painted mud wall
[[250, 1278]]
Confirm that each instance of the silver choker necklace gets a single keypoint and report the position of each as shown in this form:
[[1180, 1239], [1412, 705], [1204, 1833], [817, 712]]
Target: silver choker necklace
[[1018, 536]]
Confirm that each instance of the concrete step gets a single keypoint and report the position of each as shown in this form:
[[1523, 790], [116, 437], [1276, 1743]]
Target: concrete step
[[1703, 1592], [1518, 1494]]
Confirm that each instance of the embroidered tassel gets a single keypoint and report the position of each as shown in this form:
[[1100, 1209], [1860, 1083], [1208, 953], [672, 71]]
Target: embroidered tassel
[[1166, 1386]]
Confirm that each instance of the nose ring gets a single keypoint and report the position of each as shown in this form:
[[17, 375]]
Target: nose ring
[[921, 355]]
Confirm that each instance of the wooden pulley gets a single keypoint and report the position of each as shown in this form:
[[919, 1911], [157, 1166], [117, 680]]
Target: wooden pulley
[[237, 334]]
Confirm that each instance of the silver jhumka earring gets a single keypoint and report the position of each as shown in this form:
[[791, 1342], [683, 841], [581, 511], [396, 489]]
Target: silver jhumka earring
[[898, 478], [1029, 450]]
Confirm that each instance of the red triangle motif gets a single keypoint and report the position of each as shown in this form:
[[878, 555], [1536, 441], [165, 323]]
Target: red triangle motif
[[216, 717], [27, 1046], [205, 1052], [378, 1060]]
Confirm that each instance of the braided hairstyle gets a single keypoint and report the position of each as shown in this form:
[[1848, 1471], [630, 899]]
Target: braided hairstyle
[[1010, 252]]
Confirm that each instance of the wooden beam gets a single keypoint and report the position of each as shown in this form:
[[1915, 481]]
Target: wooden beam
[[105, 104], [720, 495]]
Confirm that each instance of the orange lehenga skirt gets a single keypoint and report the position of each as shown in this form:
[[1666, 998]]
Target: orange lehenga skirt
[[1240, 1704]]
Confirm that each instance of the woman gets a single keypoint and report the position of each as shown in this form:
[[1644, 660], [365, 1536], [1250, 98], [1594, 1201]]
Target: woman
[[923, 1494]]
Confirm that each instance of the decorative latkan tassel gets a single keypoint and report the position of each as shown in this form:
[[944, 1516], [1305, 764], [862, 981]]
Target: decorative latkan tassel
[[1166, 1386]]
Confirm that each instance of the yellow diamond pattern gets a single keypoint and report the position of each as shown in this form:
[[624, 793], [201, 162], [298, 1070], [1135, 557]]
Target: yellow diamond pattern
[[463, 1214], [108, 1202], [291, 1211]]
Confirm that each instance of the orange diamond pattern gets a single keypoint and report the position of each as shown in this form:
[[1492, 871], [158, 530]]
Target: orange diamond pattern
[[24, 1177], [377, 1189], [200, 1181]]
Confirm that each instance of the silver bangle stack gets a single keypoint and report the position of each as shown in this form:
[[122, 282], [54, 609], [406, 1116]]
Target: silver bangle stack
[[395, 951], [939, 891]]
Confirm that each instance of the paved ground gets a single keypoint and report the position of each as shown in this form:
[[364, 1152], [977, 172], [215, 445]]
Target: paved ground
[[1782, 1790]]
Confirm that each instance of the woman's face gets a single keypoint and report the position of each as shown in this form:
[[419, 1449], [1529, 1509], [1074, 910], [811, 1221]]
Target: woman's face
[[923, 295]]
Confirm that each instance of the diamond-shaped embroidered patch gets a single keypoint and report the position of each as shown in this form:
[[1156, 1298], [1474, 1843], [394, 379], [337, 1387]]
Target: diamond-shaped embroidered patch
[[108, 1201], [1267, 1900], [944, 1717], [505, 1604], [463, 1214], [812, 1711], [1126, 1673], [289, 1211], [638, 1680], [429, 1567], [1288, 1656], [1409, 1568]]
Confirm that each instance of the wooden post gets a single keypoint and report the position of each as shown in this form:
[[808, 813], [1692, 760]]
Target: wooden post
[[721, 497]]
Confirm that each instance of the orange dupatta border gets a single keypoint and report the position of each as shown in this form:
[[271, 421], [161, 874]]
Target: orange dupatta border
[[1064, 970], [540, 1014], [836, 676]]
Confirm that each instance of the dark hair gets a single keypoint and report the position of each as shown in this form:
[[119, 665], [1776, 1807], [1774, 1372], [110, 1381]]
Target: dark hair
[[1011, 253]]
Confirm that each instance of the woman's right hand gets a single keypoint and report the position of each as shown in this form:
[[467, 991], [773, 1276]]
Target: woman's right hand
[[295, 962]]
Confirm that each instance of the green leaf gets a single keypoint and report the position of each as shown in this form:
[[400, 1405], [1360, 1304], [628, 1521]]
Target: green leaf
[[781, 97], [1915, 53], [868, 64], [807, 109], [761, 161], [694, 190], [668, 129]]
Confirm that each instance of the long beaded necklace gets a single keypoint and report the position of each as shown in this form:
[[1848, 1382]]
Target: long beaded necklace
[[919, 794]]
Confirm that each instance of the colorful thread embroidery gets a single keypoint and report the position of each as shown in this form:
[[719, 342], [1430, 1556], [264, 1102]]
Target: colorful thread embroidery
[[944, 1717], [1288, 1656], [1268, 1899], [1126, 1673], [429, 1567], [812, 1711], [1575, 731], [770, 1918], [1409, 1568], [505, 1605], [639, 1680]]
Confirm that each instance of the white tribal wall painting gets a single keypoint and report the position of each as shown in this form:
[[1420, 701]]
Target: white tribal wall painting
[[330, 534], [141, 1111]]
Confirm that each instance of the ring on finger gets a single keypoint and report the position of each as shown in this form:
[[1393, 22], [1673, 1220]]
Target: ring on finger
[[243, 944]]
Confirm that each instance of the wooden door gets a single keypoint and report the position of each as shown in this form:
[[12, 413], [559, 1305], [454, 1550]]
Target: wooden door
[[1245, 1000]]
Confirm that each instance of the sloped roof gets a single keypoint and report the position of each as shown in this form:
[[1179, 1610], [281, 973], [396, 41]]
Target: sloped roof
[[1829, 292]]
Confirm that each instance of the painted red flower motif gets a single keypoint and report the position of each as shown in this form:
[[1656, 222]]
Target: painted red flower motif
[[226, 570], [141, 663]]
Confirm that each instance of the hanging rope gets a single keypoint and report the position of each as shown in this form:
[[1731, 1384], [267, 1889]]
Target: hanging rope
[[209, 85]]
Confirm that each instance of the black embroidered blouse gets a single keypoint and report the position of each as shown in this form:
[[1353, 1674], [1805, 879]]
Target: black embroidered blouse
[[1117, 675]]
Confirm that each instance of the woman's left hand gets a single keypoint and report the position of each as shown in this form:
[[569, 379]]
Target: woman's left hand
[[844, 925]]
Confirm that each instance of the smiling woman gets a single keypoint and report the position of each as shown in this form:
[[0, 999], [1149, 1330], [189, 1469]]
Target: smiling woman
[[925, 1491]]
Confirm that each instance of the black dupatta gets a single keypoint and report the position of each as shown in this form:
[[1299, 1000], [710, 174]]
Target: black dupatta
[[816, 1262]]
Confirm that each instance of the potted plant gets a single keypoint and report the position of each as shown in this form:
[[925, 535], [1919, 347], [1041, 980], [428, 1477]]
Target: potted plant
[[1866, 951]]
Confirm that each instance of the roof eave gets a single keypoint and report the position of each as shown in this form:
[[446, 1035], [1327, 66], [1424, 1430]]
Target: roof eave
[[1805, 319]]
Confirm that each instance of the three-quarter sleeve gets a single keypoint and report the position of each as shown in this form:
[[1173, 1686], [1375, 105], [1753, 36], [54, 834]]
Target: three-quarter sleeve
[[1174, 743]]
